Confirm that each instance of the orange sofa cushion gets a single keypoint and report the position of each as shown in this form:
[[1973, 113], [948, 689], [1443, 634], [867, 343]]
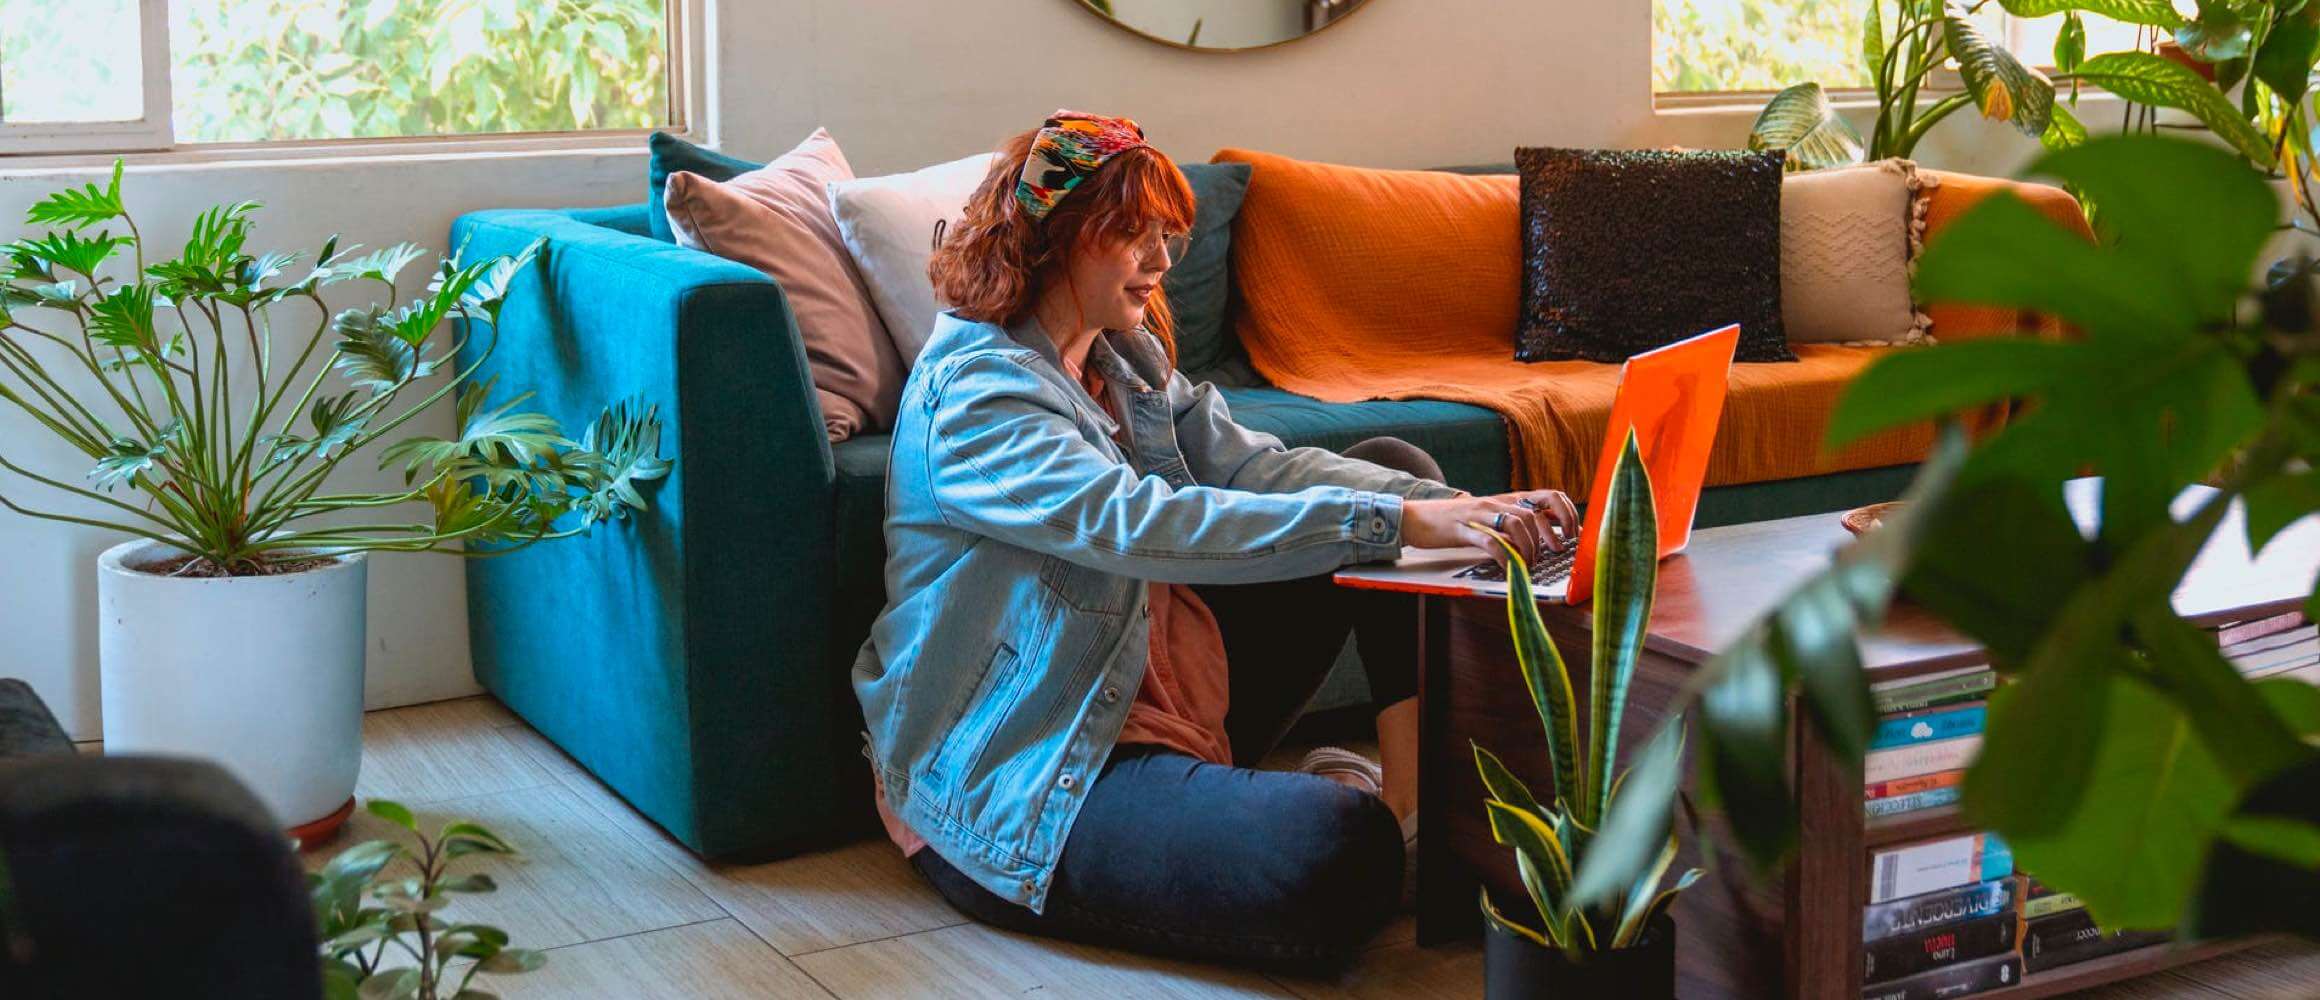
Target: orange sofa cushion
[[1363, 284]]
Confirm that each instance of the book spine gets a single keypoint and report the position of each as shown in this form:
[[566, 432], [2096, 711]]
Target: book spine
[[1931, 798], [1910, 730], [1916, 914], [1924, 758], [2049, 905], [1913, 784], [1944, 692], [1951, 981], [2232, 635], [2071, 937], [1950, 944], [1916, 869]]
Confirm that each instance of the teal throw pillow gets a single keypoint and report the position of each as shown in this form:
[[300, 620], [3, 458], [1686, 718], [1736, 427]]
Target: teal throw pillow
[[670, 155], [1200, 286]]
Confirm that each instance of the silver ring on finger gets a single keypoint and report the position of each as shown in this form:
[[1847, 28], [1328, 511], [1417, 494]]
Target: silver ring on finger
[[1498, 523]]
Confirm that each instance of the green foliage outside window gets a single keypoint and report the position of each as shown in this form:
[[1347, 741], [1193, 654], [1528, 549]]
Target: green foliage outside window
[[1709, 45], [251, 70]]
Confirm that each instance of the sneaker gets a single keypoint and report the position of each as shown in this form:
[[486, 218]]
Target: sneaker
[[1339, 764]]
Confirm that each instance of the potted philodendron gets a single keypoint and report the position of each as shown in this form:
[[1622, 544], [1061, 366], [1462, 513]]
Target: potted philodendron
[[231, 625], [1624, 944]]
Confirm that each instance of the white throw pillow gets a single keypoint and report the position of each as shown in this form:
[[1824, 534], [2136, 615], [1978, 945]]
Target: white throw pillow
[[888, 224], [1848, 238]]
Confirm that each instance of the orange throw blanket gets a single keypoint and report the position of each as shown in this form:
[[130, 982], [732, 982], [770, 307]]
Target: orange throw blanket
[[1400, 284]]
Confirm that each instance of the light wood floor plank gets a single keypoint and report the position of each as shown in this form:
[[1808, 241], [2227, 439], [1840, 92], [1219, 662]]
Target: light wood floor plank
[[446, 750], [578, 879], [975, 961], [629, 912], [719, 960], [825, 899], [1400, 972]]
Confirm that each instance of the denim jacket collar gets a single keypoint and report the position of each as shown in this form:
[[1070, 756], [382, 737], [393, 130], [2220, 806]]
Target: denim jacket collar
[[1121, 357]]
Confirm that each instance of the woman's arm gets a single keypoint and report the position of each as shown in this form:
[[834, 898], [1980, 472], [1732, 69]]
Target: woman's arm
[[1223, 452], [1004, 460]]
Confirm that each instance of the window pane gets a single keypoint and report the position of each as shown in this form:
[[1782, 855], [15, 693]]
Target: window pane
[[1708, 45], [250, 70], [70, 61], [2033, 38]]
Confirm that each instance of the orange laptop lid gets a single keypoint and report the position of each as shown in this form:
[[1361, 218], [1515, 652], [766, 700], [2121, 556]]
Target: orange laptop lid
[[1673, 398]]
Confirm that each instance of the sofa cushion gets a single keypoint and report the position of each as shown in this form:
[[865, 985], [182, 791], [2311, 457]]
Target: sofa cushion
[[1468, 441], [671, 154]]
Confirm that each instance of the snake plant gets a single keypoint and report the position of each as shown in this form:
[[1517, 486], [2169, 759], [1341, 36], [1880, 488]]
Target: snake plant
[[1551, 837]]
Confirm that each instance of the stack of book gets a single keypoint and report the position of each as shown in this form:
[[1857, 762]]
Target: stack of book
[[2057, 931], [1929, 728], [1943, 920], [2276, 647]]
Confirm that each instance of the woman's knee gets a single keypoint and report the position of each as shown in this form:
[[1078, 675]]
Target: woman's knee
[[1344, 866], [1395, 453]]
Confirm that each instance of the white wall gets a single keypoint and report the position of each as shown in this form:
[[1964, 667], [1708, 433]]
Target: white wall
[[901, 83]]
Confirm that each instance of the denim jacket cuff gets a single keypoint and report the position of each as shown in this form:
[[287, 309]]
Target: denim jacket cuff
[[1377, 524]]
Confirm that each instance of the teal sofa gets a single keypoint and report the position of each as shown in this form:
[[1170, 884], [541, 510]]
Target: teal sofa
[[695, 658]]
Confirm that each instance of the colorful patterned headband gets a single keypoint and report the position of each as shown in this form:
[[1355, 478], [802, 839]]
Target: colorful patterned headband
[[1068, 149]]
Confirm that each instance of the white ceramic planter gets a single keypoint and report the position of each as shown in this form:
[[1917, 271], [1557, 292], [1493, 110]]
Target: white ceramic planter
[[262, 674]]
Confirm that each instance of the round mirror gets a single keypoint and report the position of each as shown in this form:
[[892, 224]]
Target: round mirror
[[1222, 25]]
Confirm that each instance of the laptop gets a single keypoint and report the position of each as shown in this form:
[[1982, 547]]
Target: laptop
[[1673, 398]]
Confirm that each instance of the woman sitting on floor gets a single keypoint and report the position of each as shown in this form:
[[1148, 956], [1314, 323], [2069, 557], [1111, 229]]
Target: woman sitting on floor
[[1107, 601]]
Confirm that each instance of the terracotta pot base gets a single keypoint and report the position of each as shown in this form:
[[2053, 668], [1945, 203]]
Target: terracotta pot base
[[317, 831]]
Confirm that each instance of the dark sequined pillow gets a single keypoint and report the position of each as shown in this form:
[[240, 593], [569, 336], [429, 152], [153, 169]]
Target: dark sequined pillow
[[1628, 250]]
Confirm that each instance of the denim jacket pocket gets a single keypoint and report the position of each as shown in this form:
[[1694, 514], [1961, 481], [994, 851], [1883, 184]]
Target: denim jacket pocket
[[1082, 589], [993, 698]]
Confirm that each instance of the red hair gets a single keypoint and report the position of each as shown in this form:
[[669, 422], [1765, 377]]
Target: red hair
[[992, 263]]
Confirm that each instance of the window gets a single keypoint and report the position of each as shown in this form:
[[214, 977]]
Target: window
[[246, 71], [1706, 46]]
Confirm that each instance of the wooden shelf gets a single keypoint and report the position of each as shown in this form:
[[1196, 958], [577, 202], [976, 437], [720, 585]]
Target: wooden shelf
[[2114, 968]]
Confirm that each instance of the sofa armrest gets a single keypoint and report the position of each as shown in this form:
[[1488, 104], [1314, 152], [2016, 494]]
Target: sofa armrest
[[688, 642], [1951, 196]]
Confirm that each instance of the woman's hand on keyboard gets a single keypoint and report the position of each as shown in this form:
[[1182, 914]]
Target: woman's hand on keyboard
[[1534, 521]]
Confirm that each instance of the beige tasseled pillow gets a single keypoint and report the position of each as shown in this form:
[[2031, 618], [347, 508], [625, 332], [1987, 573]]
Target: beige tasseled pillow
[[1848, 237]]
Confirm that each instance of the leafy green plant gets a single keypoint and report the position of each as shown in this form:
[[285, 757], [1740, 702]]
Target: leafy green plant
[[2125, 760], [257, 70], [145, 374], [365, 916], [1903, 44], [1552, 839]]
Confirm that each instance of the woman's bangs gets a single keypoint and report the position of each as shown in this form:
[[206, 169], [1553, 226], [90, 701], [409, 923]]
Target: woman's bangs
[[1148, 186]]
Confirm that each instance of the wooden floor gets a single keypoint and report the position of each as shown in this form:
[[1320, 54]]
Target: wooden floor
[[625, 912]]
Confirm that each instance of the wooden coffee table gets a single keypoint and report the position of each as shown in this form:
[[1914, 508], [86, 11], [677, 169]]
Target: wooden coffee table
[[1796, 933]]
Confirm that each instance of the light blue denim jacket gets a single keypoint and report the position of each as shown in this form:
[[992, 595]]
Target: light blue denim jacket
[[1021, 525]]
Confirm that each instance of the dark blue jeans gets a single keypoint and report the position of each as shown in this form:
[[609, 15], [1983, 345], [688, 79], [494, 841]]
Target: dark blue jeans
[[1171, 855]]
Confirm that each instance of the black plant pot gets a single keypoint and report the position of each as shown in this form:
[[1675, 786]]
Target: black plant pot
[[1516, 968]]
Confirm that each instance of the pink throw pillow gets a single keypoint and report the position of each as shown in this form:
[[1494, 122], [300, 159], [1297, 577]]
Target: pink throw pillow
[[777, 219]]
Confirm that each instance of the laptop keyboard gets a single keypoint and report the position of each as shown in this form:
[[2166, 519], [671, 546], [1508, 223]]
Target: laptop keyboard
[[1551, 569]]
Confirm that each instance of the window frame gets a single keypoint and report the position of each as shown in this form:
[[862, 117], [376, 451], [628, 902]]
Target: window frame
[[148, 131], [154, 134]]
